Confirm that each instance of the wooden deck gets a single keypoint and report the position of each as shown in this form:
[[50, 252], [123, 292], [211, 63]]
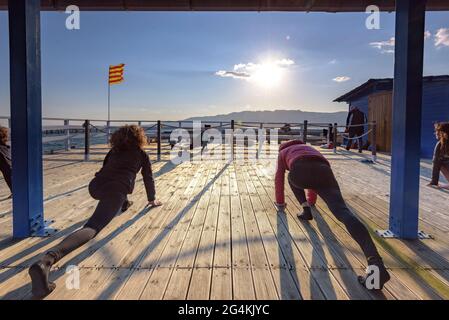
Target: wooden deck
[[218, 236]]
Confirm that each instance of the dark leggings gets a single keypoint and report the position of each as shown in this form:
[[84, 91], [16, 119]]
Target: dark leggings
[[318, 176], [110, 204]]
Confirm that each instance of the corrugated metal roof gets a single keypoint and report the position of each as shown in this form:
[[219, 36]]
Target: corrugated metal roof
[[229, 5], [387, 82]]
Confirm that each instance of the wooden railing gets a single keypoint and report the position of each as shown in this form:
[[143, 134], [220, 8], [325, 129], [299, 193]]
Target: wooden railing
[[159, 130]]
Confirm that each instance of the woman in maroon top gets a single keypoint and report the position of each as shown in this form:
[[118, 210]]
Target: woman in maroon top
[[309, 169]]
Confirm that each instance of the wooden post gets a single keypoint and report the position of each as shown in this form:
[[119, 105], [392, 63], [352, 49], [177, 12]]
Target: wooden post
[[86, 140], [158, 137], [329, 133], [335, 132], [304, 131], [26, 118], [232, 139], [407, 102], [374, 142], [67, 134]]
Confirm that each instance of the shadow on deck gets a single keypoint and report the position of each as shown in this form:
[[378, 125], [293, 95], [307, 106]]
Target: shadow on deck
[[218, 236]]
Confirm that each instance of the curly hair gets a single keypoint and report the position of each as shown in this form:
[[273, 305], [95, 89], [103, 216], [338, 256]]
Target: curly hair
[[3, 135], [127, 137], [442, 131]]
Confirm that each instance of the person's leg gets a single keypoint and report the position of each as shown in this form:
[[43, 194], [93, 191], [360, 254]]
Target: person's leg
[[445, 172], [334, 200], [300, 196], [360, 143], [436, 168], [350, 141], [126, 204], [106, 210]]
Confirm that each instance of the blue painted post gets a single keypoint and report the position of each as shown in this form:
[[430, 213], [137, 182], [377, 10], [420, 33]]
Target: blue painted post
[[407, 101], [26, 117]]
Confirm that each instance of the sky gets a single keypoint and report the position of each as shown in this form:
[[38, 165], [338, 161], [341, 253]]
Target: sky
[[183, 64]]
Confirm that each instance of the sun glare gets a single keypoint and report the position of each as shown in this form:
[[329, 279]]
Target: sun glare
[[268, 75]]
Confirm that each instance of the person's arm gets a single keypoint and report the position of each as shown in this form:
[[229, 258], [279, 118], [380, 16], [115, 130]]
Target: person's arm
[[436, 164], [279, 182], [147, 175]]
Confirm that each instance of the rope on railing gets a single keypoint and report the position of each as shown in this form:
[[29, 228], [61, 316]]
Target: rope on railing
[[169, 126], [150, 127], [98, 129], [346, 135]]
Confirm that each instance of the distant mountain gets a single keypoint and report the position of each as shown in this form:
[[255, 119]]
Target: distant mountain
[[284, 116]]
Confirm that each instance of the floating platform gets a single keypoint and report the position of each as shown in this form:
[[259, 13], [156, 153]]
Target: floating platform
[[218, 235]]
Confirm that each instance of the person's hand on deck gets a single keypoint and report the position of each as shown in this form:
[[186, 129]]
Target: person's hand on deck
[[154, 203], [280, 207]]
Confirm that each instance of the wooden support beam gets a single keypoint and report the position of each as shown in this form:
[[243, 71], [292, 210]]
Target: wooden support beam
[[407, 103], [26, 118]]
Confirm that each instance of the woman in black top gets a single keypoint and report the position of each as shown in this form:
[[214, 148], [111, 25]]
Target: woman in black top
[[5, 157], [110, 186], [441, 154]]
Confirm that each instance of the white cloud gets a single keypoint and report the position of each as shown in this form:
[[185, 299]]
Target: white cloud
[[333, 61], [442, 38], [341, 79], [384, 46], [246, 71], [232, 74], [427, 35]]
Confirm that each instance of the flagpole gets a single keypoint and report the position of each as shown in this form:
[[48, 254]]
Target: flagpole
[[108, 124]]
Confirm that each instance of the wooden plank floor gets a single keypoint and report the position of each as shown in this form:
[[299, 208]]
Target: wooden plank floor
[[218, 236]]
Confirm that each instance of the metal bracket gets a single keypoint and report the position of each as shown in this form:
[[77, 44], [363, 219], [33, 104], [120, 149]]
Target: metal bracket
[[388, 234], [38, 230]]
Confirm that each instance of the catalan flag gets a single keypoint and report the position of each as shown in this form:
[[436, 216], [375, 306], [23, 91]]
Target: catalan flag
[[116, 74]]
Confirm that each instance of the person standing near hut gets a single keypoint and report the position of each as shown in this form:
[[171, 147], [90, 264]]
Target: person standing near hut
[[309, 169], [355, 127], [441, 155], [111, 185], [5, 157]]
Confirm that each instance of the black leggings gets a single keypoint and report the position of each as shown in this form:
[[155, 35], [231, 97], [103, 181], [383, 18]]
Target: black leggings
[[318, 176], [110, 204]]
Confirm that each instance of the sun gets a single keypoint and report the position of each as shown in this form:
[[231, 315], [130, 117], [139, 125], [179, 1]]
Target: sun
[[268, 75]]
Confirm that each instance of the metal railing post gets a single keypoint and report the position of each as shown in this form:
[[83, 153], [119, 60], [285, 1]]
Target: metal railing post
[[374, 142], [86, 140], [304, 131], [159, 134], [335, 132], [260, 142], [67, 133]]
